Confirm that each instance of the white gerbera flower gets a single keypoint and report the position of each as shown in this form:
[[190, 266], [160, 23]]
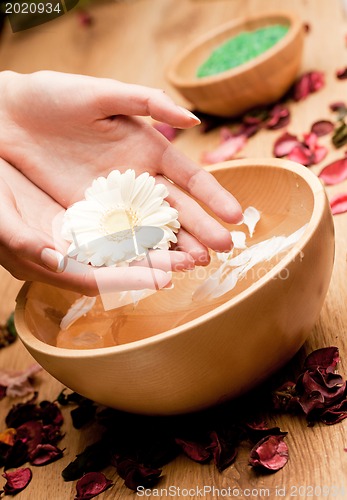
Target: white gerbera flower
[[121, 218]]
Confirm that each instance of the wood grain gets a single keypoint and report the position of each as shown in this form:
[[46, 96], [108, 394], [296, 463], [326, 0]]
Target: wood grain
[[134, 41]]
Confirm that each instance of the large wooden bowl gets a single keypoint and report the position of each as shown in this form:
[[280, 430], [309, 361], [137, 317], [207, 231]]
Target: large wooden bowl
[[199, 354], [262, 80]]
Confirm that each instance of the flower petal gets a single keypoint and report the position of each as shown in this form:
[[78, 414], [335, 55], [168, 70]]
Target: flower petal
[[335, 172], [285, 144], [226, 150], [338, 204], [322, 127]]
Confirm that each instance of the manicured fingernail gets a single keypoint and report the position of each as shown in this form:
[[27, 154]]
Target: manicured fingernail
[[169, 286], [53, 260], [240, 221], [189, 114]]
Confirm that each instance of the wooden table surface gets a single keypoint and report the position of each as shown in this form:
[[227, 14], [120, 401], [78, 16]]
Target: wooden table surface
[[133, 41]]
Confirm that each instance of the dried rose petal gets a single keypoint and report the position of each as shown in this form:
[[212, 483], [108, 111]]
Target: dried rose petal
[[85, 19], [259, 430], [91, 485], [167, 130], [270, 453], [285, 144], [30, 433], [224, 449], [17, 480], [341, 74], [19, 383], [279, 116], [226, 150], [338, 204], [8, 436], [22, 412], [324, 358], [322, 127], [50, 413], [195, 451], [308, 83], [301, 154], [338, 106], [136, 474], [44, 454], [335, 413]]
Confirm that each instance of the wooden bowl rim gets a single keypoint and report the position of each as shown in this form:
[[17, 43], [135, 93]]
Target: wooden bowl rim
[[295, 25], [319, 205]]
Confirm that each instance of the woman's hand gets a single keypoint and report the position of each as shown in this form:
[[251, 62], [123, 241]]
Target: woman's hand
[[30, 250], [62, 131]]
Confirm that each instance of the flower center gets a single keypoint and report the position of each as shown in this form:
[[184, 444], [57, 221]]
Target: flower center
[[116, 220]]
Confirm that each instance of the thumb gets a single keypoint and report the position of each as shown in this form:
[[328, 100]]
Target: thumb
[[17, 237]]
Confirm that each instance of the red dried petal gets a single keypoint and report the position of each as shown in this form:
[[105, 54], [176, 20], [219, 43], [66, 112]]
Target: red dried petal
[[226, 150], [85, 19], [308, 83], [338, 204], [301, 154], [136, 474], [91, 485], [30, 433], [319, 154], [322, 127], [279, 116], [270, 453], [167, 130], [259, 430], [335, 414], [341, 74], [195, 451], [336, 106], [45, 454], [335, 172], [285, 144], [17, 480], [324, 358], [224, 451]]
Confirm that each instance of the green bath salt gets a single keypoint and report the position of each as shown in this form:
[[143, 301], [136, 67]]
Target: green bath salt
[[241, 49]]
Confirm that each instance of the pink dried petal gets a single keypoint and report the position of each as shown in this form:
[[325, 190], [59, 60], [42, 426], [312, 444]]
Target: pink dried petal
[[338, 204], [270, 453], [18, 383], [301, 154], [341, 74], [322, 127], [308, 83], [195, 451], [226, 150], [324, 358], [167, 130], [44, 454], [91, 485], [319, 154], [310, 140], [335, 172], [30, 433], [85, 19], [17, 480], [285, 144], [279, 116], [336, 106]]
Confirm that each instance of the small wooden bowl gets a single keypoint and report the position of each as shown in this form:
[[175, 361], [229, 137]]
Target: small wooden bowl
[[262, 80], [199, 354]]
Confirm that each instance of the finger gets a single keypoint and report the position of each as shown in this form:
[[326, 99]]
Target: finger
[[21, 240], [196, 221], [187, 243], [117, 98], [200, 184], [166, 260], [85, 279]]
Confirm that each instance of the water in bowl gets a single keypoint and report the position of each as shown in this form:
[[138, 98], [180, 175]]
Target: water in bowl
[[155, 314]]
